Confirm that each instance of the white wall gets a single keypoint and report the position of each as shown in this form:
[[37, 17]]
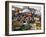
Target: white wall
[[2, 19]]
